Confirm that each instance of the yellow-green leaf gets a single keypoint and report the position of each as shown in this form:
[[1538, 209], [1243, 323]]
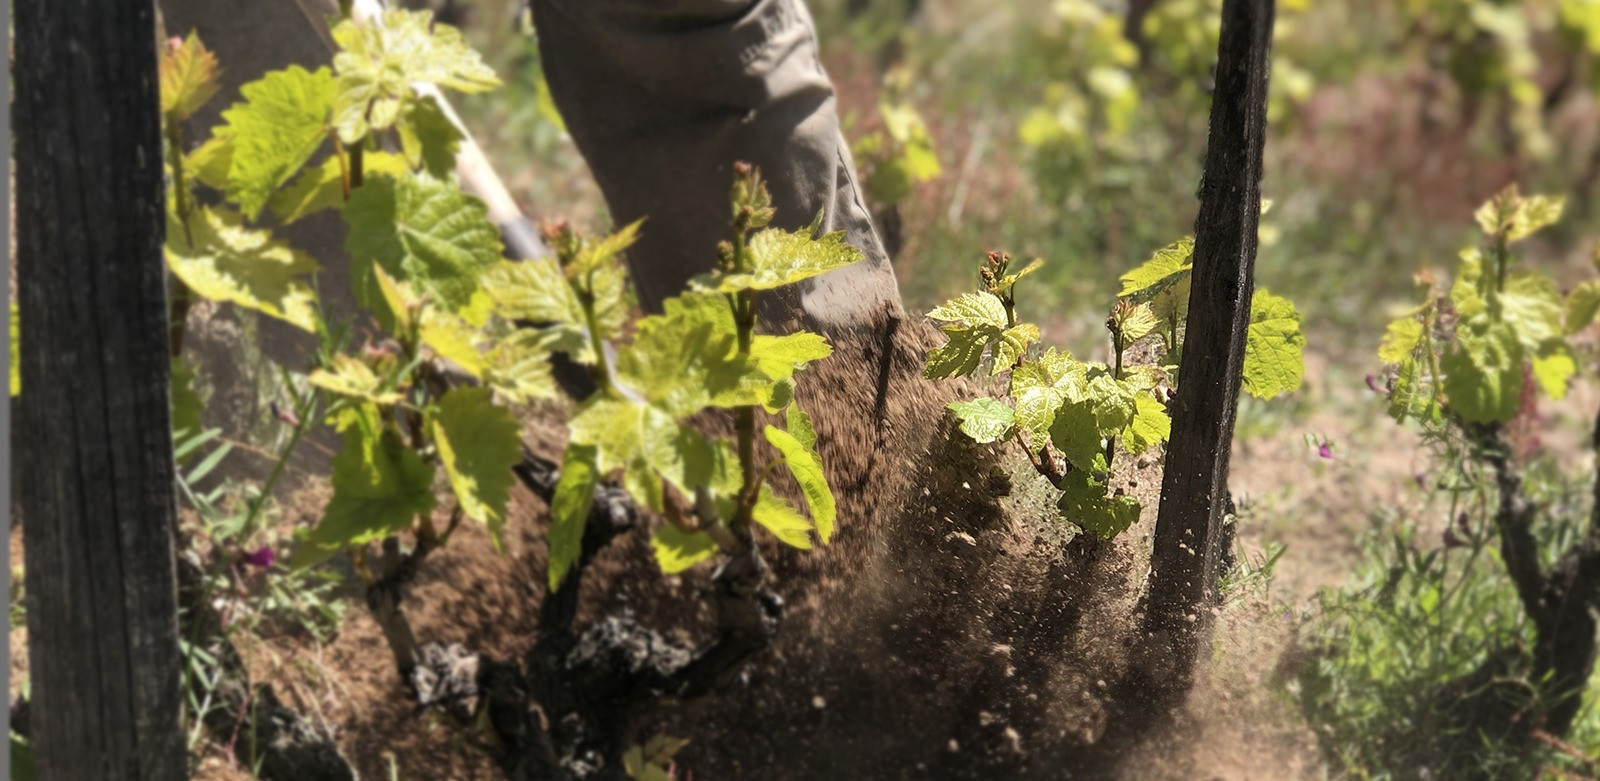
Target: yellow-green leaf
[[428, 138], [1274, 347], [322, 186], [677, 550], [274, 131], [350, 377], [806, 467], [569, 510], [1165, 268], [778, 258], [380, 487], [1582, 306], [244, 266], [1012, 345], [786, 523], [1400, 340], [519, 368], [451, 338], [1150, 425], [1554, 366], [1483, 372], [423, 231], [984, 420], [478, 441], [380, 60]]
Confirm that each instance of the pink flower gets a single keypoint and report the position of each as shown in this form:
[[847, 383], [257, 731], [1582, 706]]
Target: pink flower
[[284, 415], [1372, 382], [1325, 450], [263, 557]]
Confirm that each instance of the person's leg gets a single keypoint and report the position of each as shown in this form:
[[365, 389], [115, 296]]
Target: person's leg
[[662, 97]]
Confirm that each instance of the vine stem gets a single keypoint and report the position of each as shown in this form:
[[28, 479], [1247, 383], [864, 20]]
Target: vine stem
[[1116, 374], [744, 416], [602, 370], [181, 297]]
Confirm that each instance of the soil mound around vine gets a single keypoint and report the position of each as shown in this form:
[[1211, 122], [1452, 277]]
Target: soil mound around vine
[[953, 630]]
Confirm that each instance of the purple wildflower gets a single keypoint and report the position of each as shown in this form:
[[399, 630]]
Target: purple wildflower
[[1372, 383], [1453, 540], [263, 557], [1325, 450]]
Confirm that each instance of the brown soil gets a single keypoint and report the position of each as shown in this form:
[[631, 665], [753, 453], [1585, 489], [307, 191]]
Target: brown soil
[[948, 632]]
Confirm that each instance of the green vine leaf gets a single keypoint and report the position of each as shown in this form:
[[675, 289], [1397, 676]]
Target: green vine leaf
[[518, 368], [381, 60], [1532, 306], [569, 510], [648, 444], [984, 420], [1112, 403], [322, 186], [1413, 394], [798, 424], [537, 291], [243, 266], [1135, 323], [1084, 502], [973, 321], [533, 290], [777, 258], [785, 522], [1483, 372], [677, 550], [972, 311], [806, 467], [687, 358], [1040, 387], [1075, 432], [1150, 426], [423, 231], [355, 379], [607, 252], [479, 442], [1012, 345], [210, 162], [1510, 215], [1007, 283], [1467, 293], [451, 338], [777, 358], [1274, 347], [1400, 340], [274, 131], [1582, 306], [428, 139], [1168, 266], [380, 487], [1554, 365]]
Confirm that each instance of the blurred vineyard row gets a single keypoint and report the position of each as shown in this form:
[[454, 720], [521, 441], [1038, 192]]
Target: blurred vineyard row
[[1073, 130]]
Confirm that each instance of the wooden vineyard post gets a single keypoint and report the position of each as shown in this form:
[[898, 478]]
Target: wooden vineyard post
[[94, 436], [1194, 489]]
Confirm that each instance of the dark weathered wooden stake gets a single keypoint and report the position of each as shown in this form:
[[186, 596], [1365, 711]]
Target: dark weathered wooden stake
[[1194, 489], [94, 433]]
